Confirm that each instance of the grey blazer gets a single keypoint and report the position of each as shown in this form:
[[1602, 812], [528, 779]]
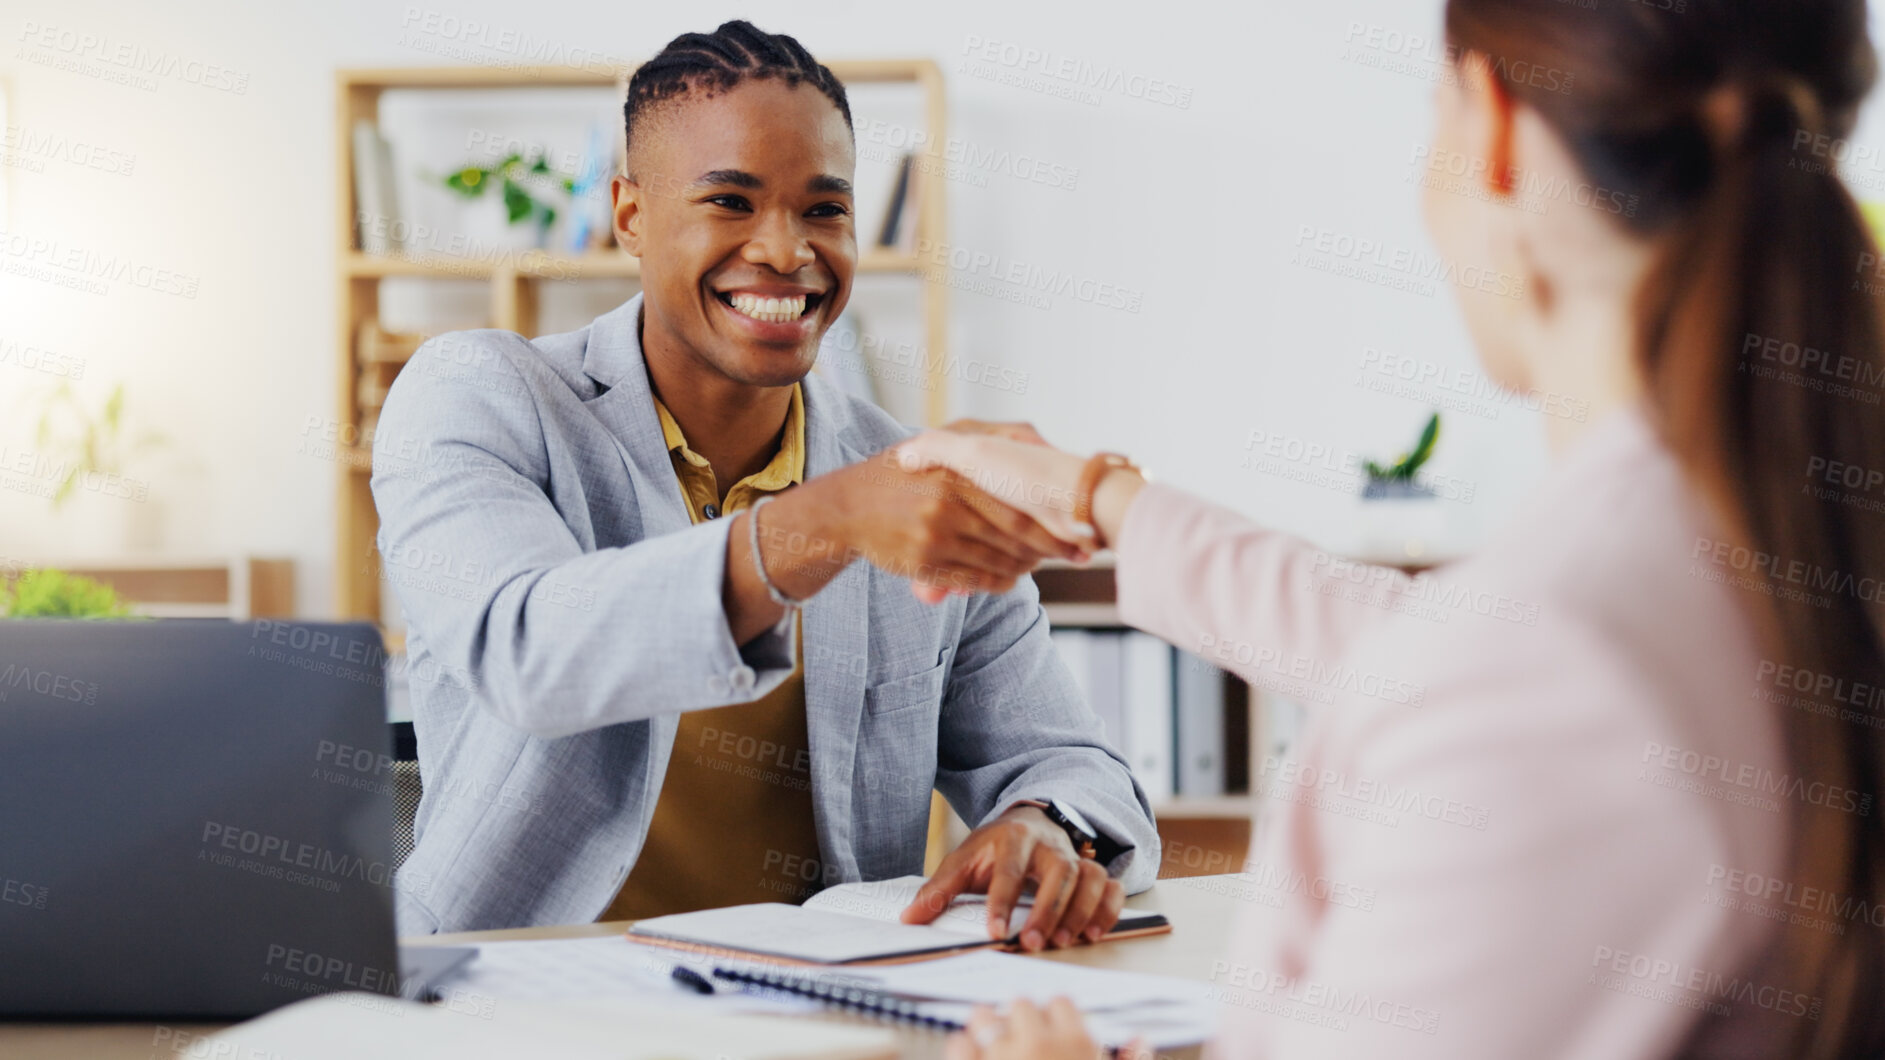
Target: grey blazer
[[562, 611]]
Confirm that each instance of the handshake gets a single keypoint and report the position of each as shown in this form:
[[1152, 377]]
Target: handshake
[[967, 508]]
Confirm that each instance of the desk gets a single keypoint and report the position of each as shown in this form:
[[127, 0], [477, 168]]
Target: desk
[[1200, 908]]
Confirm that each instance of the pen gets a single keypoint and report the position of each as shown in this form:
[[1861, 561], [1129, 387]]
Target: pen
[[692, 979]]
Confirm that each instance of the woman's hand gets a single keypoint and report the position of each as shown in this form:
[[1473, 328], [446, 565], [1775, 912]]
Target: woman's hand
[[1027, 475], [1030, 1033], [1017, 432]]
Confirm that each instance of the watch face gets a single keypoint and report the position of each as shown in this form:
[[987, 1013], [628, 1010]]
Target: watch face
[[1073, 818]]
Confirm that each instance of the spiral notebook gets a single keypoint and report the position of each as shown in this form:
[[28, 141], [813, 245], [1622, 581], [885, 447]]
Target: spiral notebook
[[1157, 1021]]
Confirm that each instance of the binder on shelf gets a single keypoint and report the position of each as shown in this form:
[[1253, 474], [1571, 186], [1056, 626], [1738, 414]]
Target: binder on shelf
[[1106, 676], [1073, 646], [1149, 730], [1200, 720]]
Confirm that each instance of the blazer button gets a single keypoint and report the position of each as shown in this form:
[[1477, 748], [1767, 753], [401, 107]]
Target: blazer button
[[717, 686], [743, 679], [711, 511]]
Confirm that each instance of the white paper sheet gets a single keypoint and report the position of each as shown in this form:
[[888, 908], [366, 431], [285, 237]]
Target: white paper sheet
[[804, 933], [367, 1027], [887, 899], [996, 978], [598, 969]]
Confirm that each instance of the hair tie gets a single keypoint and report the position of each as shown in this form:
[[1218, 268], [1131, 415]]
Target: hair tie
[[1729, 109]]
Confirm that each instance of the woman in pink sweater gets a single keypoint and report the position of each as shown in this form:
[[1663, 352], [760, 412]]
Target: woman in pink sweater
[[1621, 802]]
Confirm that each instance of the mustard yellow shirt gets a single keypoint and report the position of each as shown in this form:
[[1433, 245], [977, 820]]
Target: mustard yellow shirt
[[733, 824]]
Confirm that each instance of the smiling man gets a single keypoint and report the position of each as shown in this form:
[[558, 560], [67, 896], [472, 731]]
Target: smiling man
[[732, 708]]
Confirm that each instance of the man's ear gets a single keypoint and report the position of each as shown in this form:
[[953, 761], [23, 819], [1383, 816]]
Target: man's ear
[[625, 196], [1490, 123]]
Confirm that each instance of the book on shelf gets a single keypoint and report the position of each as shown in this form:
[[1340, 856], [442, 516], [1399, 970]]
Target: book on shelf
[[898, 231], [376, 204]]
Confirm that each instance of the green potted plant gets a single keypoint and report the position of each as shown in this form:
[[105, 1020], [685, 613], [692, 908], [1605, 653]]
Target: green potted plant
[[1399, 478], [46, 593], [87, 445], [93, 450], [1401, 517], [518, 181]]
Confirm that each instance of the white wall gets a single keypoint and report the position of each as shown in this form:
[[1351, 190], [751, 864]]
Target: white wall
[[1196, 210]]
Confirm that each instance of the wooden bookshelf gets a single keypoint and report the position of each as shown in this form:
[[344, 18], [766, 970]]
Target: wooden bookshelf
[[239, 587], [515, 281], [1218, 827], [1203, 834]]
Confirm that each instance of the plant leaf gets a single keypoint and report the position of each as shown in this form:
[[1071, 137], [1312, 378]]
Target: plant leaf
[[114, 409], [1423, 450], [517, 203], [468, 182], [46, 593]]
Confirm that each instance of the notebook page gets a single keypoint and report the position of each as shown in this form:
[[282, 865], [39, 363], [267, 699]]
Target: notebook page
[[887, 899], [802, 933]]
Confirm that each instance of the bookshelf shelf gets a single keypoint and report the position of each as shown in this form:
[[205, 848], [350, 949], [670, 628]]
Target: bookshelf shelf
[[516, 278], [1203, 808], [596, 265], [1105, 616]]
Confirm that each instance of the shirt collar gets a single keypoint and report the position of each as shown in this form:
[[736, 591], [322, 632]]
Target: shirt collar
[[787, 466]]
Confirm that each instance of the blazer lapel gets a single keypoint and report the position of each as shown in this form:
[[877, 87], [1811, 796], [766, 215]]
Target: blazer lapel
[[626, 409], [837, 637]]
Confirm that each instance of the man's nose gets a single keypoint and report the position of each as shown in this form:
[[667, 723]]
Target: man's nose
[[779, 245]]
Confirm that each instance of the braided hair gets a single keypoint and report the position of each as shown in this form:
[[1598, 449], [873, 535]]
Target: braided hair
[[715, 62]]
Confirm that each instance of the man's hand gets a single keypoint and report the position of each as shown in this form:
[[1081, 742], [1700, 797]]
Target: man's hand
[[930, 525], [1074, 899], [925, 523]]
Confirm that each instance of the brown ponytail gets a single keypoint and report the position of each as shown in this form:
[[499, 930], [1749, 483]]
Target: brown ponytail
[[1712, 115]]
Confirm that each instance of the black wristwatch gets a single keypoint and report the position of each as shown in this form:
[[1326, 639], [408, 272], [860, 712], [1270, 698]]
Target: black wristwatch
[[1087, 840]]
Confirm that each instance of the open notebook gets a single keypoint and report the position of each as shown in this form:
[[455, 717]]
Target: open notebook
[[853, 923]]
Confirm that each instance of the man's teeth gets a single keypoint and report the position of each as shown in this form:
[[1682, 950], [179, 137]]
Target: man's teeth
[[770, 310]]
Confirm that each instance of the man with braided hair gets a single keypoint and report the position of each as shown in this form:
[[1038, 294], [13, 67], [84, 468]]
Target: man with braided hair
[[684, 690]]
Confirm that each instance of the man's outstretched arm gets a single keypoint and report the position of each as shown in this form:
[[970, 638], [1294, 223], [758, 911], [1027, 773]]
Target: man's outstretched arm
[[559, 637]]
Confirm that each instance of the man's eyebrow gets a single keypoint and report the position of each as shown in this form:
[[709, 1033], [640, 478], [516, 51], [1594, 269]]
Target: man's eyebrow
[[739, 178], [830, 185]]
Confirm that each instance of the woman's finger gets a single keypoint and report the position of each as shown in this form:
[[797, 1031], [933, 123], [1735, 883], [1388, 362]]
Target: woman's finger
[[1052, 537]]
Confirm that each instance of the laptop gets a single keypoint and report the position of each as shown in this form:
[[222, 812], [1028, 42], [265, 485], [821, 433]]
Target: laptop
[[196, 820]]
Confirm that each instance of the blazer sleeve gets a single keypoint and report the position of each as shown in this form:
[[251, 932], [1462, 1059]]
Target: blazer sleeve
[[1509, 848], [1015, 727], [1270, 608], [549, 636]]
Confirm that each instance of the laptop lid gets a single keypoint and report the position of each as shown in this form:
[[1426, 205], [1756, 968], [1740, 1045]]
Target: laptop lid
[[195, 817]]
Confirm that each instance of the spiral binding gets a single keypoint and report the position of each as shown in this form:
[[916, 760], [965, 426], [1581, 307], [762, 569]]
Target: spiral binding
[[873, 1002]]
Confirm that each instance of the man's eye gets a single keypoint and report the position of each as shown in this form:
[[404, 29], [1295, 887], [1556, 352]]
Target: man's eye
[[731, 202], [828, 209]]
